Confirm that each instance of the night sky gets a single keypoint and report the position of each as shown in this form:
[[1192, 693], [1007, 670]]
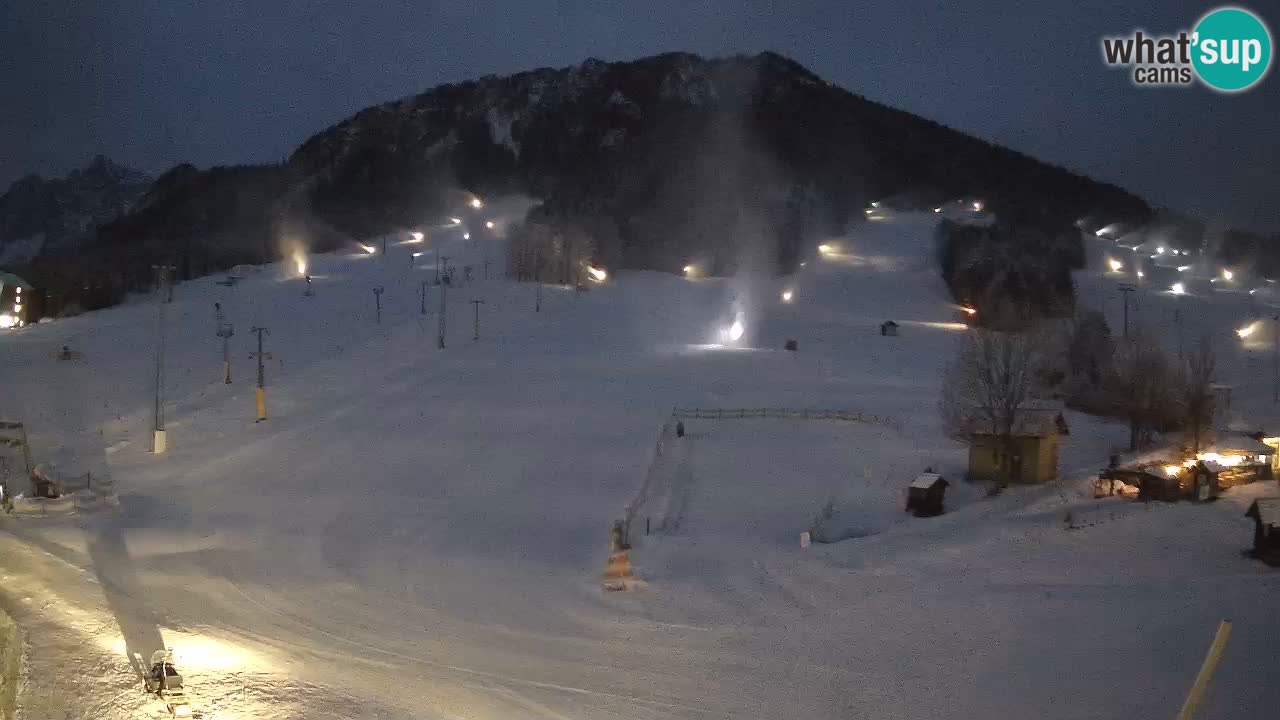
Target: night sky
[[152, 83]]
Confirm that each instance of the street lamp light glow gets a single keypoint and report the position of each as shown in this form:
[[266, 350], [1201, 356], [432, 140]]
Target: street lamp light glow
[[1228, 275], [466, 236], [456, 221], [1116, 265], [416, 237], [825, 249], [368, 248], [597, 274], [1178, 289], [1247, 330], [1141, 274], [488, 224], [475, 203], [786, 296]]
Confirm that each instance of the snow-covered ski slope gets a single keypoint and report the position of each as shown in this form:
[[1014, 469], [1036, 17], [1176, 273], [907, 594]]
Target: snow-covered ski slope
[[419, 533]]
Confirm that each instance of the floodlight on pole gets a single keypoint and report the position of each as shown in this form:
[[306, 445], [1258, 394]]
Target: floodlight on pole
[[1125, 290], [159, 437]]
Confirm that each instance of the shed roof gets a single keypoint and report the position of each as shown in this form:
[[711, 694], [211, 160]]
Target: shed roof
[[1035, 420], [926, 480], [1268, 511], [1242, 444]]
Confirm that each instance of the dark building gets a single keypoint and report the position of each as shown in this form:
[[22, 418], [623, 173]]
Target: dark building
[[1266, 529], [15, 301], [925, 495]]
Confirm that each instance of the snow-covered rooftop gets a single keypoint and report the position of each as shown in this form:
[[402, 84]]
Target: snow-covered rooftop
[[924, 481], [1269, 511]]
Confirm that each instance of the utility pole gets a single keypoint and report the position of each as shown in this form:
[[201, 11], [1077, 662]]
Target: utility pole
[[226, 332], [1177, 320], [441, 328], [262, 377], [1275, 359], [1125, 290], [377, 301], [537, 279], [423, 309], [159, 439], [475, 336]]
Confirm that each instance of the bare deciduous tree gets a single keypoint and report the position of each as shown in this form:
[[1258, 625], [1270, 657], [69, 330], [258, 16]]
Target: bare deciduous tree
[[1143, 386], [1197, 392], [989, 384]]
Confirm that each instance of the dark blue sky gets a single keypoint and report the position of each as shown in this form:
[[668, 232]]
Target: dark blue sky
[[155, 82]]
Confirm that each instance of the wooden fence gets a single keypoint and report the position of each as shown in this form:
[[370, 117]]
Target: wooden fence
[[803, 413]]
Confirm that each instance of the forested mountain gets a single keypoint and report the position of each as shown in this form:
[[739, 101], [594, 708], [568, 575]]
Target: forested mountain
[[50, 216], [641, 164]]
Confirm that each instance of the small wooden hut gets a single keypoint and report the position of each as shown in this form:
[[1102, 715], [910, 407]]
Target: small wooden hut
[[1266, 529], [925, 495]]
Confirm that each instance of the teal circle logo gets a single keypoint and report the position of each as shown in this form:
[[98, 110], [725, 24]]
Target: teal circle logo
[[1231, 49]]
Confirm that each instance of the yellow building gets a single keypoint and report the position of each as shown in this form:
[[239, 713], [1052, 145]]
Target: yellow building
[[1031, 458]]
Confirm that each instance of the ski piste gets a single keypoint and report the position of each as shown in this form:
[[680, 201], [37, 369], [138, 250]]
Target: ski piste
[[174, 698]]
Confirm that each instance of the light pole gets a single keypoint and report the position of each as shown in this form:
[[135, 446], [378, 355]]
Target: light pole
[[377, 301], [1125, 290], [475, 336], [537, 280], [260, 393], [1275, 359], [441, 328], [159, 439], [423, 308], [1177, 320]]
